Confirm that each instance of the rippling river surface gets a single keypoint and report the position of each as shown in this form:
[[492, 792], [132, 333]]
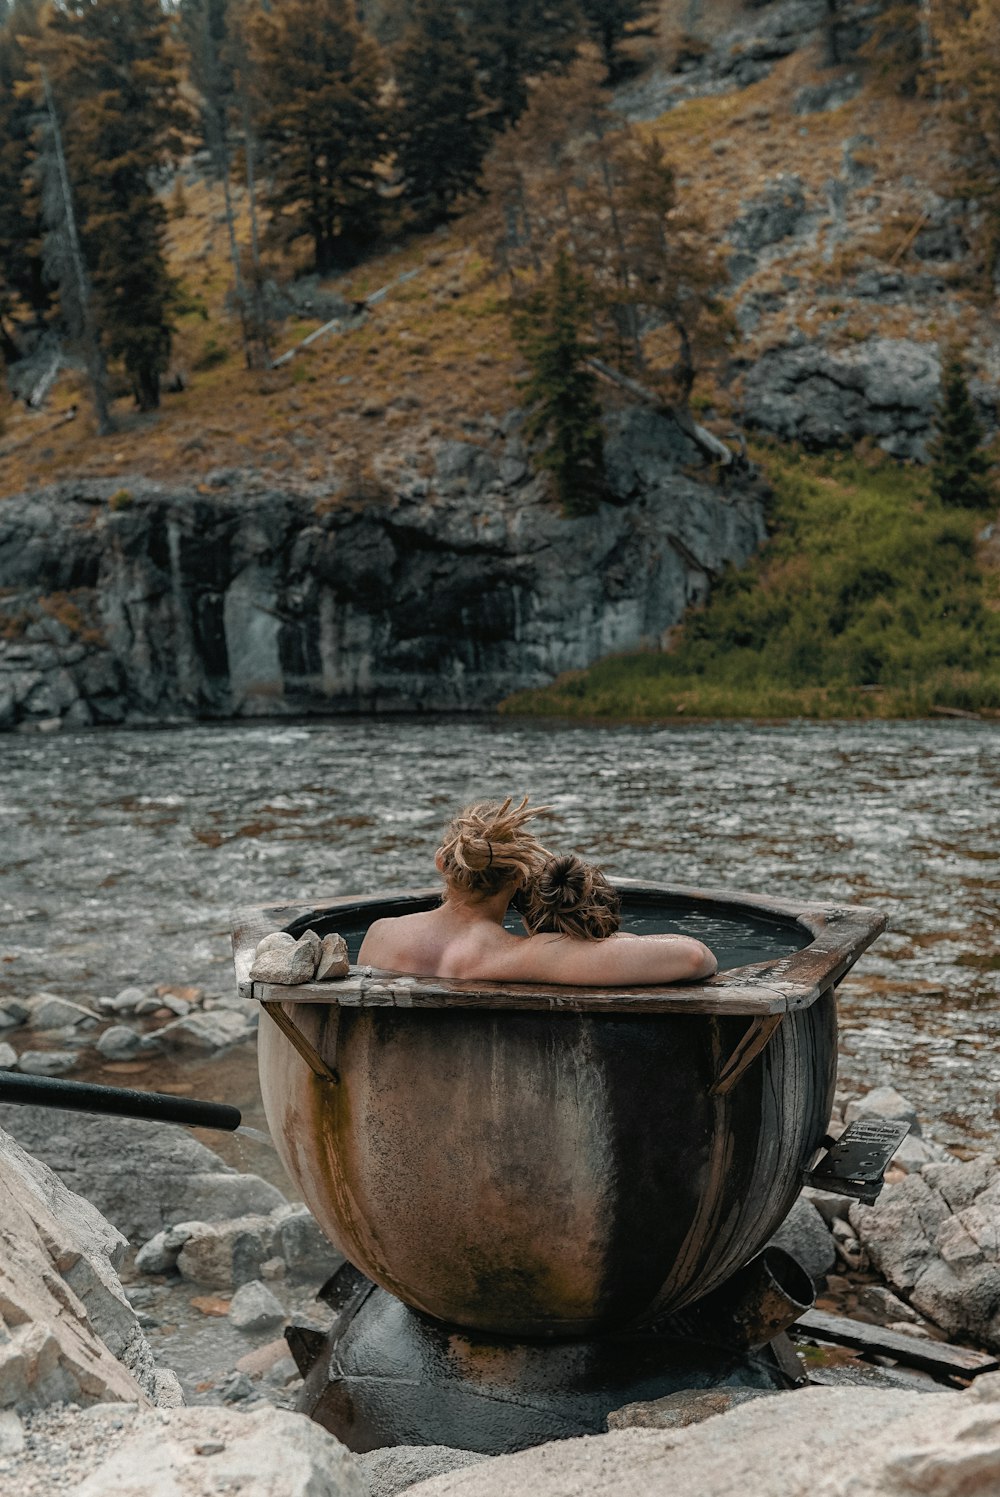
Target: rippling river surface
[[121, 853]]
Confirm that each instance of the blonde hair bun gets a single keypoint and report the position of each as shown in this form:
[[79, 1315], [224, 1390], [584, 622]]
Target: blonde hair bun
[[488, 847]]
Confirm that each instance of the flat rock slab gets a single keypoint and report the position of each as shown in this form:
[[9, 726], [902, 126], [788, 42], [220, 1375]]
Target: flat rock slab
[[814, 1442]]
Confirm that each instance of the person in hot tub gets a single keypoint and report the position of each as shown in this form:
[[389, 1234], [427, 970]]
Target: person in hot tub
[[489, 856]]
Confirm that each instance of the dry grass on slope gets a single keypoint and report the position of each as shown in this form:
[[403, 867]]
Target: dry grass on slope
[[435, 359]]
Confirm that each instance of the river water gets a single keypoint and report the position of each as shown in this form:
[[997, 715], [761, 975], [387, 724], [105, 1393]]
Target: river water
[[121, 853]]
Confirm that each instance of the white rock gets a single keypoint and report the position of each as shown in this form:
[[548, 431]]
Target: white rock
[[47, 1062], [334, 961], [11, 1433], [286, 964], [220, 1452], [278, 940], [8, 1057], [254, 1308], [119, 1042]]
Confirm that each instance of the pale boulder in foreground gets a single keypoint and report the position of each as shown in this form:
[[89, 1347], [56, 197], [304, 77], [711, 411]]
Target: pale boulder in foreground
[[220, 1452], [67, 1332], [816, 1442]]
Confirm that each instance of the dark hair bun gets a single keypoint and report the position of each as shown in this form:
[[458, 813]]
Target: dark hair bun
[[573, 898]]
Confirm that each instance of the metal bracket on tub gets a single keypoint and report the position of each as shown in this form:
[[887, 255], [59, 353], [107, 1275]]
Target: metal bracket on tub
[[856, 1162], [753, 1042], [305, 1047]]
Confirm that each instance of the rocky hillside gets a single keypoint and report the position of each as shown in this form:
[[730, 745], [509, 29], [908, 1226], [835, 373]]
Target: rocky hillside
[[360, 527], [444, 592]]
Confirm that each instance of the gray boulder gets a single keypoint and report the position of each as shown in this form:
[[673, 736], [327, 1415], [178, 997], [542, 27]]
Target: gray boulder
[[935, 1237], [119, 1042], [8, 1057], [47, 1062], [209, 1032], [779, 212], [221, 1254], [307, 1252], [254, 1307], [142, 1176], [51, 1012], [807, 1237], [884, 388]]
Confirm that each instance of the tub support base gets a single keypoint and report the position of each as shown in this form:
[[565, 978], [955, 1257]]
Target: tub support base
[[386, 1375]]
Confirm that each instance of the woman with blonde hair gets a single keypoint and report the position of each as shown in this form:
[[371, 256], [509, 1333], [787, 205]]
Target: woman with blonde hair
[[487, 857]]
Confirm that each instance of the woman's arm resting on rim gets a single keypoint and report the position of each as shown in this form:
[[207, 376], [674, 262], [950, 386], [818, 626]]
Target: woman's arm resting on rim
[[623, 960]]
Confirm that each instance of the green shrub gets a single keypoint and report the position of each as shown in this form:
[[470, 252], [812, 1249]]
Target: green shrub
[[120, 499], [866, 601]]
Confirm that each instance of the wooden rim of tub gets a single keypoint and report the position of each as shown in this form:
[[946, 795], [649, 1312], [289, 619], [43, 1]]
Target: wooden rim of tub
[[775, 986]]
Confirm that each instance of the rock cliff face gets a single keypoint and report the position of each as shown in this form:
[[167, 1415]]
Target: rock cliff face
[[446, 593]]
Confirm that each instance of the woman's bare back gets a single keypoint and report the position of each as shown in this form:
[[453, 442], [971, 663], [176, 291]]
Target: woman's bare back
[[460, 943]]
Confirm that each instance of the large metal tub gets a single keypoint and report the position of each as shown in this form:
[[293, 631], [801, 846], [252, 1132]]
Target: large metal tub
[[549, 1161]]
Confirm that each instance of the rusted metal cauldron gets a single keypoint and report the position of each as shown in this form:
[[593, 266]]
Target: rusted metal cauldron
[[549, 1161]]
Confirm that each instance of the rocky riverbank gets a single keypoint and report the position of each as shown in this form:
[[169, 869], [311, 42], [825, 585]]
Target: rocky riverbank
[[448, 588], [48, 1035], [93, 1366]]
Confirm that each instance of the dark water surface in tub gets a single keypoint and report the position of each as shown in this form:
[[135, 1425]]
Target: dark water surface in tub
[[121, 853], [734, 939]]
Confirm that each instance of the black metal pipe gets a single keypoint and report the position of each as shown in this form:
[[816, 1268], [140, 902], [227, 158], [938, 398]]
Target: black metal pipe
[[117, 1101]]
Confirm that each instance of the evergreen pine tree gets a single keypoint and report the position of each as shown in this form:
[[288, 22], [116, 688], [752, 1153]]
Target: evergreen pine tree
[[322, 124], [561, 391], [960, 469], [112, 70], [607, 22], [441, 129], [515, 40]]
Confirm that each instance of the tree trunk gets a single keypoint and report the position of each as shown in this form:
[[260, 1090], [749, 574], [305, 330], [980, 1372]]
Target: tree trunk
[[93, 354]]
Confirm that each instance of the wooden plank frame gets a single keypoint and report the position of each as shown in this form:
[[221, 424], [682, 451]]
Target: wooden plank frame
[[769, 988]]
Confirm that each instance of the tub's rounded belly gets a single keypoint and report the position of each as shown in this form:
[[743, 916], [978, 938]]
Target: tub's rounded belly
[[546, 1174]]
